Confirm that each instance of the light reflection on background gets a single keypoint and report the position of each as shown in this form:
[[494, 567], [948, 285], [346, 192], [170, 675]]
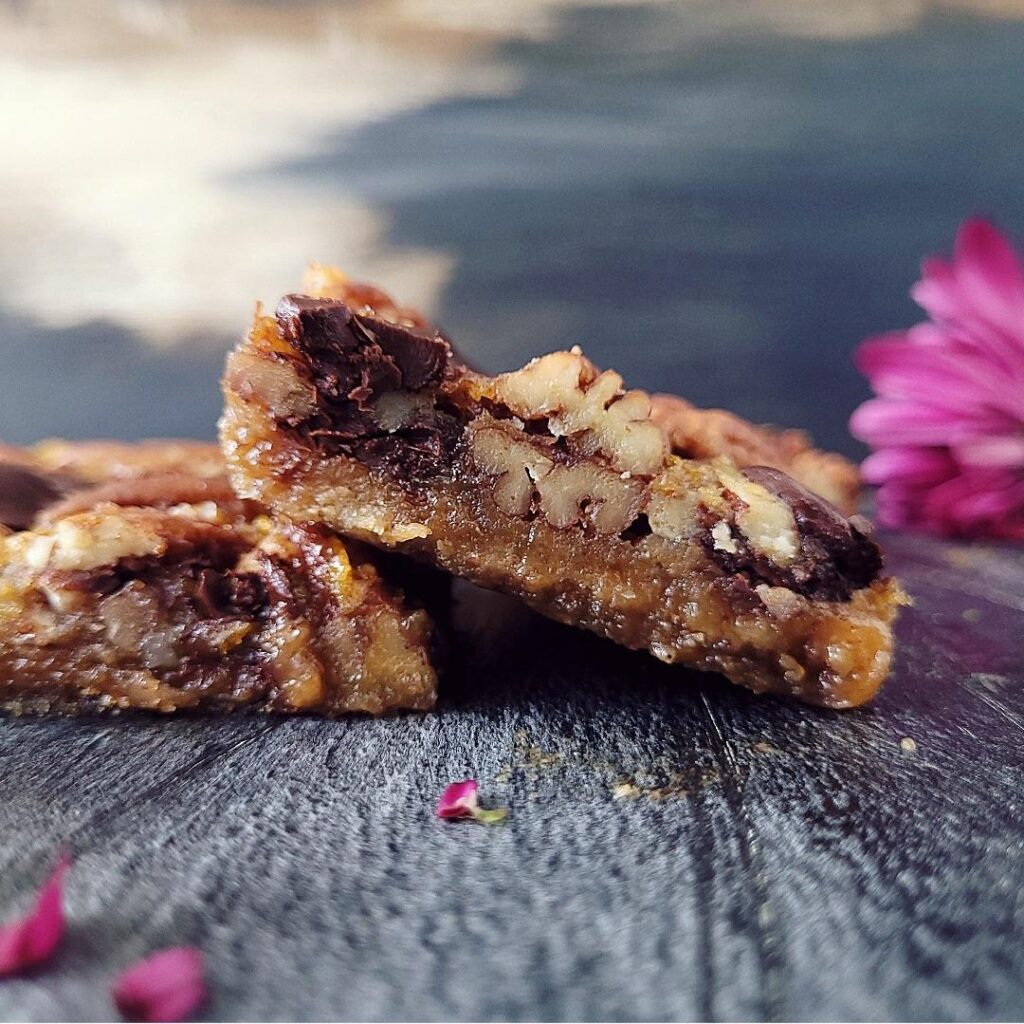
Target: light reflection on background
[[719, 197]]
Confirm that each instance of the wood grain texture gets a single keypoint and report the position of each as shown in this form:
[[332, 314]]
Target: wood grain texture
[[677, 848]]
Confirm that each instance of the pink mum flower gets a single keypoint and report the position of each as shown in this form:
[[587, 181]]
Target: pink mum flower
[[30, 941], [947, 427], [461, 800], [167, 986]]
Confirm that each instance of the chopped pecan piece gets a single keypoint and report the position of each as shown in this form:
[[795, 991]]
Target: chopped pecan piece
[[589, 408]]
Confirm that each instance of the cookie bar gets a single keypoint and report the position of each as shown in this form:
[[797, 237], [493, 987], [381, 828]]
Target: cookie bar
[[555, 485], [153, 589]]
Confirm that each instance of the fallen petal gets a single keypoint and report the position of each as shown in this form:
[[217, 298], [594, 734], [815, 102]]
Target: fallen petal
[[167, 986], [33, 939], [459, 800]]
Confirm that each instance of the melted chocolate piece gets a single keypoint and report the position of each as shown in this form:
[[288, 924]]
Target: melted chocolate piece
[[355, 358], [422, 358], [231, 594], [202, 573], [371, 354], [24, 493], [837, 555]]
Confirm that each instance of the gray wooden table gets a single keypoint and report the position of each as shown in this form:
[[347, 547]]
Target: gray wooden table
[[676, 848]]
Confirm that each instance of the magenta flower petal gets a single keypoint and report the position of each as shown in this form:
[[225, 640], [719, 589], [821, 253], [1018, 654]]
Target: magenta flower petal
[[917, 466], [886, 421], [982, 248], [167, 986], [947, 425], [942, 378], [988, 270], [938, 293], [996, 450], [34, 938], [461, 800]]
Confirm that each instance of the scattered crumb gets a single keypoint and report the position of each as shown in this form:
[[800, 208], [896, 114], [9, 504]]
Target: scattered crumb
[[908, 745], [963, 557], [667, 793], [541, 758], [972, 614], [761, 747], [660, 780], [633, 789]]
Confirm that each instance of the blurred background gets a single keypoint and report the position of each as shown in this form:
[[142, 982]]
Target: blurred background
[[717, 197]]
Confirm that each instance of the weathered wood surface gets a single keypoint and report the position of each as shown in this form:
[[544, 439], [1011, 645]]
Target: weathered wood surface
[[676, 848]]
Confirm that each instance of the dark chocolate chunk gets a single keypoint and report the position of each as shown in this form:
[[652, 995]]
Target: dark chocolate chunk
[[354, 358], [422, 358], [24, 493], [837, 555], [349, 366], [388, 356], [229, 594]]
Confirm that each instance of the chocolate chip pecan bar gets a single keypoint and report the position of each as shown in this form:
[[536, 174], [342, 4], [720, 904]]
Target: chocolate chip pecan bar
[[132, 585], [555, 484]]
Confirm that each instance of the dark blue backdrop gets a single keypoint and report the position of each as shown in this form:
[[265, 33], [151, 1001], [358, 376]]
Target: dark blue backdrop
[[726, 219]]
